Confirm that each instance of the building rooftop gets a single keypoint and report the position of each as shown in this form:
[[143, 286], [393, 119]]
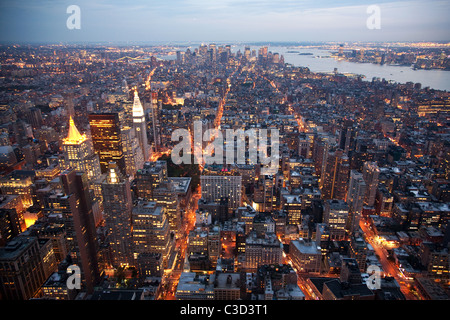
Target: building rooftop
[[306, 247], [190, 282], [148, 207], [341, 290], [15, 247], [181, 184], [227, 281]]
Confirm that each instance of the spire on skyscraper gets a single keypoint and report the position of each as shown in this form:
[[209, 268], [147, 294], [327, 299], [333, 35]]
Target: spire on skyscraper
[[138, 110], [74, 136]]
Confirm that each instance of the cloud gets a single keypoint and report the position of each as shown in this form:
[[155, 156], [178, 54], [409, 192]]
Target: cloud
[[224, 20]]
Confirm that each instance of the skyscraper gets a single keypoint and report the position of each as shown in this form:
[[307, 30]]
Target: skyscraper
[[335, 175], [370, 174], [79, 153], [149, 177], [151, 230], [134, 158], [22, 269], [154, 107], [347, 134], [107, 139], [117, 204], [165, 194], [335, 215], [78, 219], [139, 125], [355, 198]]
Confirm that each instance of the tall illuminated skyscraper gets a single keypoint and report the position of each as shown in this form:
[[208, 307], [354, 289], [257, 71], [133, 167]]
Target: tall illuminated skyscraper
[[76, 209], [335, 176], [107, 139], [78, 153], [371, 171], [117, 204], [355, 198], [134, 158], [140, 126]]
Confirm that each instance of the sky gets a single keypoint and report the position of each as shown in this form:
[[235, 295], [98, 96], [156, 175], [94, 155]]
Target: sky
[[167, 21]]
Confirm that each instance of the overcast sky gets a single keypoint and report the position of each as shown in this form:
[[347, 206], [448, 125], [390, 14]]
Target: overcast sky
[[223, 21]]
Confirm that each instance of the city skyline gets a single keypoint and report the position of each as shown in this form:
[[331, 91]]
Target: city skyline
[[256, 151], [232, 21]]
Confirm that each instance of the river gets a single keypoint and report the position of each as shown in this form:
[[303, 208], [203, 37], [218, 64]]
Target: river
[[436, 79]]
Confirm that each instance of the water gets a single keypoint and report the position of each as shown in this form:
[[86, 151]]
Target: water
[[435, 79]]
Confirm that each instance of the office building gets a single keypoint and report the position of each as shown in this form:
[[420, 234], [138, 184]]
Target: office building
[[262, 250], [9, 225], [151, 230], [134, 157], [214, 187], [150, 264], [166, 195], [306, 255], [358, 251], [21, 269], [335, 175], [19, 182], [55, 287], [107, 140], [76, 210], [149, 177], [277, 282], [370, 173], [78, 153]]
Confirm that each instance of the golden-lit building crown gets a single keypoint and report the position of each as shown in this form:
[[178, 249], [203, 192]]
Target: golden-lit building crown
[[74, 136]]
